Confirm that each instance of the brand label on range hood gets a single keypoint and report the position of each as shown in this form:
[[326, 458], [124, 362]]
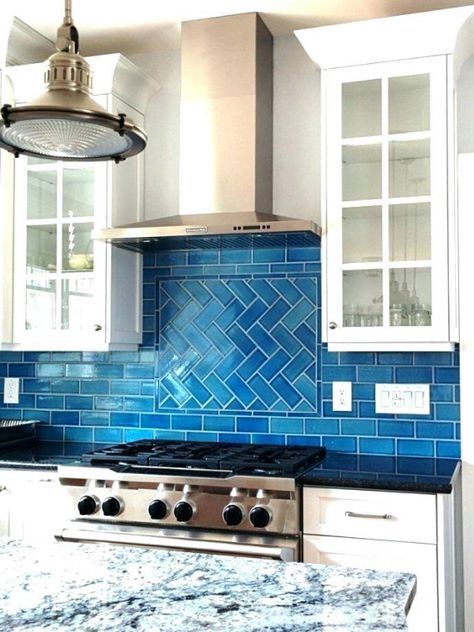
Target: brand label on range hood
[[196, 230]]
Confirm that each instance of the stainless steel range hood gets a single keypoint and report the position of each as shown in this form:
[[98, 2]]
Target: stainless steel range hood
[[226, 140]]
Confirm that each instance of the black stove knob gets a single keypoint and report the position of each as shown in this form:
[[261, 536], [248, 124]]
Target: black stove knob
[[233, 515], [111, 506], [158, 509], [260, 517], [183, 511], [87, 505]]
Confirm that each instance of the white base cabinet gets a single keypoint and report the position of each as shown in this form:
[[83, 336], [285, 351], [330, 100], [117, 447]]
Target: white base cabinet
[[30, 507], [390, 531]]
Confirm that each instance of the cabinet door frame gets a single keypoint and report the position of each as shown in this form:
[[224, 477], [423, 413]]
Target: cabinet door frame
[[63, 338], [439, 330]]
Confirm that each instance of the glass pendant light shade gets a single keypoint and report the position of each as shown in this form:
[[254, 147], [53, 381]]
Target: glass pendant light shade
[[65, 123]]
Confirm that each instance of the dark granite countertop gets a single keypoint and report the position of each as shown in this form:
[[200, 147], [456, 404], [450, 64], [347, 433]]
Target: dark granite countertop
[[362, 471], [365, 471], [91, 587]]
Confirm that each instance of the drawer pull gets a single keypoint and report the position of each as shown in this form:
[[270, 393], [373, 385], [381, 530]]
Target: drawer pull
[[353, 514]]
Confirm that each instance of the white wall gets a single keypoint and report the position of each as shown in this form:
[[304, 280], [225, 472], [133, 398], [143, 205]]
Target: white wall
[[296, 133]]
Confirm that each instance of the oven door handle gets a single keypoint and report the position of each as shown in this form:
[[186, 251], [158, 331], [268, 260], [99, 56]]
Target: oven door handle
[[285, 554]]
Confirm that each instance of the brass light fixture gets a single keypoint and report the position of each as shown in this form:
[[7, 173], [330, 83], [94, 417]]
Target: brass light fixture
[[65, 123]]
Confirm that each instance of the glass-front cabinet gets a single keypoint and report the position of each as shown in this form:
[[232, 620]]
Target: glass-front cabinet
[[64, 290], [387, 203], [57, 262]]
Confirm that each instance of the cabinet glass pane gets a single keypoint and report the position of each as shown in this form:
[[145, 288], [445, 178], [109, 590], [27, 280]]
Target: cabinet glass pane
[[409, 104], [410, 297], [362, 234], [77, 247], [40, 304], [78, 193], [42, 187], [409, 168], [41, 248], [77, 304], [361, 108], [361, 172], [362, 298], [410, 232]]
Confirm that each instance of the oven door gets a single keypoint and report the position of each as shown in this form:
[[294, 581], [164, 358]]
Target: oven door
[[285, 549]]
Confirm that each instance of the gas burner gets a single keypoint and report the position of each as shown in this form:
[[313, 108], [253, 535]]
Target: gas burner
[[267, 460]]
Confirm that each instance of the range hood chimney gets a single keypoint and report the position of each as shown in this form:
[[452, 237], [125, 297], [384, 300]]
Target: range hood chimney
[[226, 144]]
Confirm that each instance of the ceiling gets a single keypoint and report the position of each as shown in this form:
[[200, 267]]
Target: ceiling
[[142, 26]]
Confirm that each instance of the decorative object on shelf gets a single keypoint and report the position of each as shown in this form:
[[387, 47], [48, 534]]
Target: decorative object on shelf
[[65, 123]]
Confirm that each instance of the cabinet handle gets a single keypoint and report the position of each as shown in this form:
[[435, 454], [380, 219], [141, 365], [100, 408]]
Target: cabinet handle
[[332, 325], [353, 514], [2, 488], [97, 327]]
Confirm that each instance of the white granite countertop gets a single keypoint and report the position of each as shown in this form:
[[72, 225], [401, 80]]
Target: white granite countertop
[[102, 587]]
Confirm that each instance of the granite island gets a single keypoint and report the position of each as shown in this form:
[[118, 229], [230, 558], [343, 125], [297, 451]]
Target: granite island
[[95, 587]]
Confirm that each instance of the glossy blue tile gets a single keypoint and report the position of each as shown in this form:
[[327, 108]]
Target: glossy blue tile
[[340, 444], [376, 446], [322, 426], [138, 404], [395, 358], [94, 419], [109, 370], [375, 374], [37, 386], [50, 401], [413, 447], [434, 430], [268, 439], [64, 418], [333, 373], [448, 449], [358, 427], [26, 369], [78, 434], [446, 376], [50, 370], [162, 421], [449, 412], [186, 422], [125, 420], [64, 386], [94, 387], [108, 435], [252, 424], [80, 402], [394, 428], [415, 375], [135, 434], [269, 255], [356, 358]]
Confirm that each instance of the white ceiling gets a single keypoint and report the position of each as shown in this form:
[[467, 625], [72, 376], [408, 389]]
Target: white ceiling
[[139, 26]]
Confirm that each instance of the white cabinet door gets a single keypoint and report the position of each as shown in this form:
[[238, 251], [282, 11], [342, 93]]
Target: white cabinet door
[[35, 509], [419, 559], [386, 233]]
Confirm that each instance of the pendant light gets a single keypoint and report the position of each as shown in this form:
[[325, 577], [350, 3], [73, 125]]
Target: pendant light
[[65, 123]]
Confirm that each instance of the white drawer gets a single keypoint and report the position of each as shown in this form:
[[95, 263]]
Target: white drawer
[[370, 514]]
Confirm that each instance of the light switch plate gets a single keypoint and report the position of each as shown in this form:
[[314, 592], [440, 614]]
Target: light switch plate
[[11, 389], [402, 399], [342, 396]]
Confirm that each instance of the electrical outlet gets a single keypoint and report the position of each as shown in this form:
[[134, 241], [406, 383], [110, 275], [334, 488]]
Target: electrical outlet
[[342, 396], [11, 389]]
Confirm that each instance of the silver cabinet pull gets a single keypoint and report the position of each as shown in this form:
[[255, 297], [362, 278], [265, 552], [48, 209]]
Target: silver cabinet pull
[[353, 514], [97, 327], [332, 325]]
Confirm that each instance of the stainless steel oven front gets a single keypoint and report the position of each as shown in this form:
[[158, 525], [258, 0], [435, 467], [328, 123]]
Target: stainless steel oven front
[[252, 516]]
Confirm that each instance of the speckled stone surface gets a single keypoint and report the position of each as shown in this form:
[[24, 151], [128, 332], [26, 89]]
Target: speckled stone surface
[[101, 587]]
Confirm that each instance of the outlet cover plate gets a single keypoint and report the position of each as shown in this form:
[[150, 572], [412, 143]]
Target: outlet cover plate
[[402, 399], [11, 389], [342, 396]]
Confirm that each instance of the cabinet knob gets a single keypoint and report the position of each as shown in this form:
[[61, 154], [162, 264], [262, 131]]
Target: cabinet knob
[[97, 327], [332, 325]]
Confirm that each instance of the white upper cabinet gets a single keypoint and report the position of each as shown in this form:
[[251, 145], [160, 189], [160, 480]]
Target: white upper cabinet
[[389, 212], [67, 291]]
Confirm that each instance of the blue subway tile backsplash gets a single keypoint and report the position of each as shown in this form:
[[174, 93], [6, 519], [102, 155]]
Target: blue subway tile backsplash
[[232, 352]]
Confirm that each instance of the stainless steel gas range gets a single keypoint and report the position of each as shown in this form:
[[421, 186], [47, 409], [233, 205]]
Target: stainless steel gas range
[[235, 499]]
